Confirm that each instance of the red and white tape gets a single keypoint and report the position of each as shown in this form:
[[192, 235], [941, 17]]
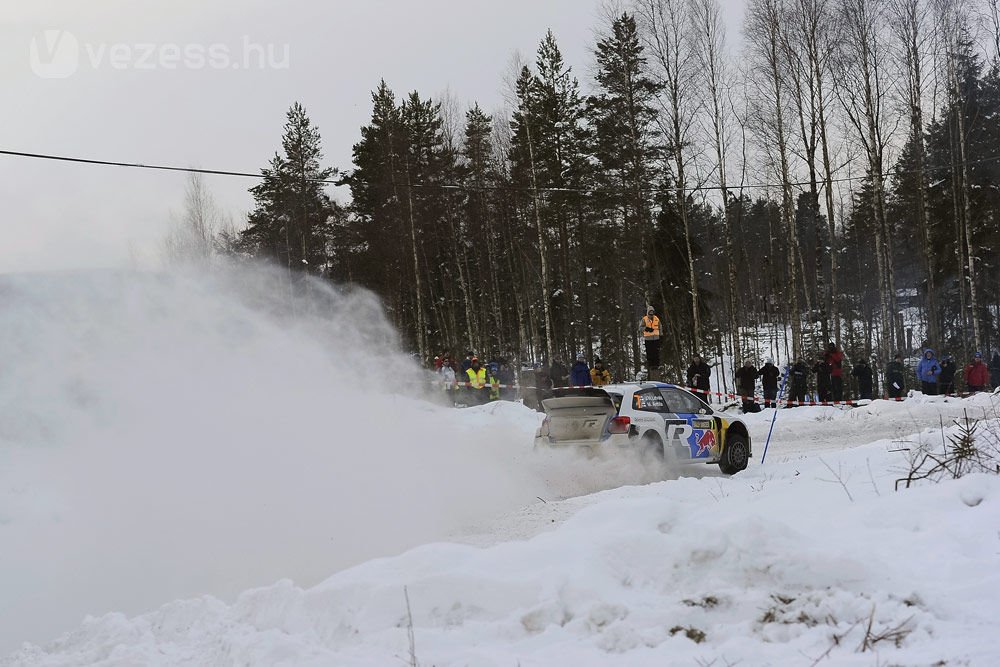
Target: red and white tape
[[756, 397]]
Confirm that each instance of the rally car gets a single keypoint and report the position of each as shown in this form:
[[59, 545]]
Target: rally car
[[659, 419]]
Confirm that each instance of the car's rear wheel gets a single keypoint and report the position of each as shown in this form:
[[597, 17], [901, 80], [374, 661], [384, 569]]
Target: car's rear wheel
[[651, 447], [735, 455]]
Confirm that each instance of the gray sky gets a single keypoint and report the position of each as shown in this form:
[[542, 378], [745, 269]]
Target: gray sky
[[207, 84]]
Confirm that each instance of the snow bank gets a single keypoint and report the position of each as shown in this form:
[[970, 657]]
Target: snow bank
[[785, 564]]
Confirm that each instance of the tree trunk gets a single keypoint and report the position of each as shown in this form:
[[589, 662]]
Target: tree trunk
[[421, 323]]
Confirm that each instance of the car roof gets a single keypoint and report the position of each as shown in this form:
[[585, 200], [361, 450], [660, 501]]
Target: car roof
[[623, 387]]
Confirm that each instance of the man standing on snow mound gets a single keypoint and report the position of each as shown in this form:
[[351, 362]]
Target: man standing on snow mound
[[928, 371], [769, 375], [650, 328], [895, 377], [699, 374], [995, 369], [977, 374], [835, 358]]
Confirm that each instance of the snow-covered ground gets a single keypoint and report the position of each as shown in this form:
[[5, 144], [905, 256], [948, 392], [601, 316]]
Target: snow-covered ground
[[169, 470]]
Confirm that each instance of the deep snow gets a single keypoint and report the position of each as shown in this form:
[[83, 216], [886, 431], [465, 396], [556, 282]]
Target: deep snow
[[145, 458]]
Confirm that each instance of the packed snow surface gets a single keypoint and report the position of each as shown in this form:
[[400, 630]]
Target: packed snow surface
[[170, 437]]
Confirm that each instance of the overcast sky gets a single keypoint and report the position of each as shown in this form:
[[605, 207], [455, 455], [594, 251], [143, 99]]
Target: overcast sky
[[207, 84]]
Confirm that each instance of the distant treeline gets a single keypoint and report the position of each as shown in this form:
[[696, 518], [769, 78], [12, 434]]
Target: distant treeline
[[842, 168]]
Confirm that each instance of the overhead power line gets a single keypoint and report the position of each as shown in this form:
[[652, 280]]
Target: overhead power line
[[456, 186]]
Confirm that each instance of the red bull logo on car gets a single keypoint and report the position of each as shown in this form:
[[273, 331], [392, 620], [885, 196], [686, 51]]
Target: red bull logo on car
[[702, 443]]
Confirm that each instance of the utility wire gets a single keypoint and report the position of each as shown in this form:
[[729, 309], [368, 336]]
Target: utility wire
[[454, 186]]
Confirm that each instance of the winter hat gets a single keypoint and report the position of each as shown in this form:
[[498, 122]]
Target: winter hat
[[580, 357], [597, 360], [650, 310], [979, 355]]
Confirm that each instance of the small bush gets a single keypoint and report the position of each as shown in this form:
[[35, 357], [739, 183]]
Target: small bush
[[973, 448]]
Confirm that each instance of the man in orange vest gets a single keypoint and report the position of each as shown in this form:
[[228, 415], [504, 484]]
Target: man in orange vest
[[650, 328]]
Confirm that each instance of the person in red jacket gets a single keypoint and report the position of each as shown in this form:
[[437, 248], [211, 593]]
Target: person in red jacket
[[835, 358], [977, 374]]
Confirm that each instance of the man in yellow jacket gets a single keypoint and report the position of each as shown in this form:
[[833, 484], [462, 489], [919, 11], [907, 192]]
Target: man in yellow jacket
[[599, 375], [476, 377], [651, 329]]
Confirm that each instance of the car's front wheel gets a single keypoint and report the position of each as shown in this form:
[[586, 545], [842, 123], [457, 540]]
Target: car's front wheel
[[736, 454]]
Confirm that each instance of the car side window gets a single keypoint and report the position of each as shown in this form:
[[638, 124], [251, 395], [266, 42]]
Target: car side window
[[649, 400], [682, 402]]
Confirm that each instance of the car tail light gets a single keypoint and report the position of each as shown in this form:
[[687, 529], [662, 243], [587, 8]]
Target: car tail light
[[543, 430], [619, 425]]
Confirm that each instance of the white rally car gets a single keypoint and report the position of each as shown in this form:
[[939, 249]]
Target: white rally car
[[655, 417]]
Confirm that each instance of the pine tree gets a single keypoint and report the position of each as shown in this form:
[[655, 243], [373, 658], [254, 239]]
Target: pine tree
[[289, 223]]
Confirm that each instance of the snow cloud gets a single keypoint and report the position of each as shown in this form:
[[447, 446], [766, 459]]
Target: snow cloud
[[169, 435]]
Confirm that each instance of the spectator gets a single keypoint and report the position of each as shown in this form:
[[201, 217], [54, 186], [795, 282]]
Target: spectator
[[599, 375], [822, 370], [477, 389], [559, 374], [977, 374], [506, 377], [467, 362], [492, 371], [895, 377], [835, 360], [769, 375], [446, 376], [543, 385], [928, 371], [947, 377], [650, 328], [698, 375], [579, 374], [799, 373], [995, 370], [746, 379], [865, 377]]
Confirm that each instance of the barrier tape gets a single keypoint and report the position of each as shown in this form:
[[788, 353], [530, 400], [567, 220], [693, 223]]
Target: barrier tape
[[757, 398], [853, 402]]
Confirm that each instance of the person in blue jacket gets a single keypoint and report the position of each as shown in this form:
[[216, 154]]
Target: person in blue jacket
[[579, 374], [928, 371]]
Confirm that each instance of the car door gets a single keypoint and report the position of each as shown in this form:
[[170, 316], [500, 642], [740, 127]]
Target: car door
[[649, 412], [700, 439]]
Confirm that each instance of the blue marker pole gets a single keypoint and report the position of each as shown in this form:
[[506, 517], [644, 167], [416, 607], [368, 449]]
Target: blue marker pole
[[781, 394]]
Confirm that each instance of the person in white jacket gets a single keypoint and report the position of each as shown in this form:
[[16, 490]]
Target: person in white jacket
[[446, 376]]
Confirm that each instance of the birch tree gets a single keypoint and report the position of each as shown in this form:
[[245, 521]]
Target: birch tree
[[667, 25]]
